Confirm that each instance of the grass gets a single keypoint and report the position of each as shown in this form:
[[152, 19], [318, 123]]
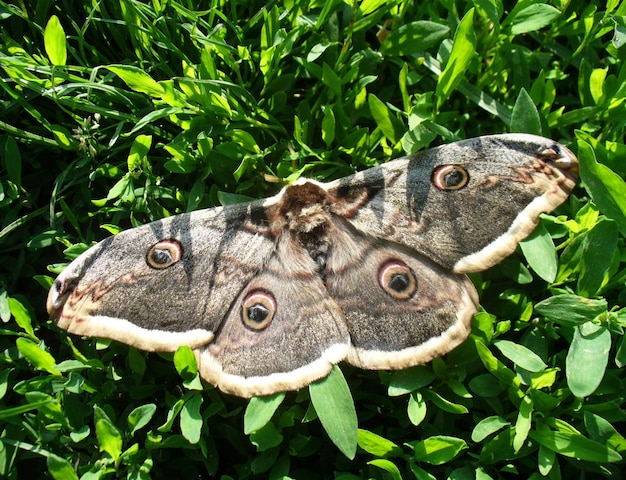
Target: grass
[[113, 114]]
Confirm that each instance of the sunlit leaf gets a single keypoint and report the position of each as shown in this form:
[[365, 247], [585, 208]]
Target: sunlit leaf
[[438, 449], [333, 403], [463, 51], [260, 410], [54, 41]]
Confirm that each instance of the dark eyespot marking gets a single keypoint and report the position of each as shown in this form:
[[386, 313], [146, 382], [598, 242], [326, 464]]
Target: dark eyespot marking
[[450, 177], [164, 254], [258, 309], [397, 279]]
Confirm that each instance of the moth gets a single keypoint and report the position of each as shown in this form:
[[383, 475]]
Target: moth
[[368, 269]]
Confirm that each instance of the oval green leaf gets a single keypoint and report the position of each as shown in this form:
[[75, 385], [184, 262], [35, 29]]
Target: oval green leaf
[[60, 469], [388, 466], [587, 358], [37, 357], [410, 379], [334, 406], [525, 118], [260, 410], [140, 417], [190, 417], [571, 310], [540, 253], [599, 248], [55, 42], [377, 445], [438, 449], [109, 437], [488, 426], [185, 362], [531, 18], [138, 80], [520, 355], [607, 189]]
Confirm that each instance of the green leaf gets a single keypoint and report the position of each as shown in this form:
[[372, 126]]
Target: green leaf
[[388, 466], [540, 253], [438, 449], [599, 249], [377, 445], [109, 437], [21, 315], [138, 80], [138, 155], [13, 161], [171, 415], [543, 379], [60, 469], [420, 473], [4, 381], [136, 361], [410, 379], [260, 411], [331, 80], [334, 406], [220, 105], [498, 448], [414, 37], [496, 367], [462, 53], [574, 445], [587, 358], [443, 403], [520, 355], [523, 423], [389, 125], [37, 357], [328, 126], [20, 409], [266, 437], [607, 189], [5, 309], [124, 189], [185, 362], [572, 310], [488, 426], [54, 41], [140, 417], [190, 417], [416, 408], [545, 460], [602, 431], [597, 81], [525, 118], [530, 19]]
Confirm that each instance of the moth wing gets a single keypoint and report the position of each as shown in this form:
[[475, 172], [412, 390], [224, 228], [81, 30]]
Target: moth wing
[[283, 332], [400, 308], [511, 180], [112, 291]]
